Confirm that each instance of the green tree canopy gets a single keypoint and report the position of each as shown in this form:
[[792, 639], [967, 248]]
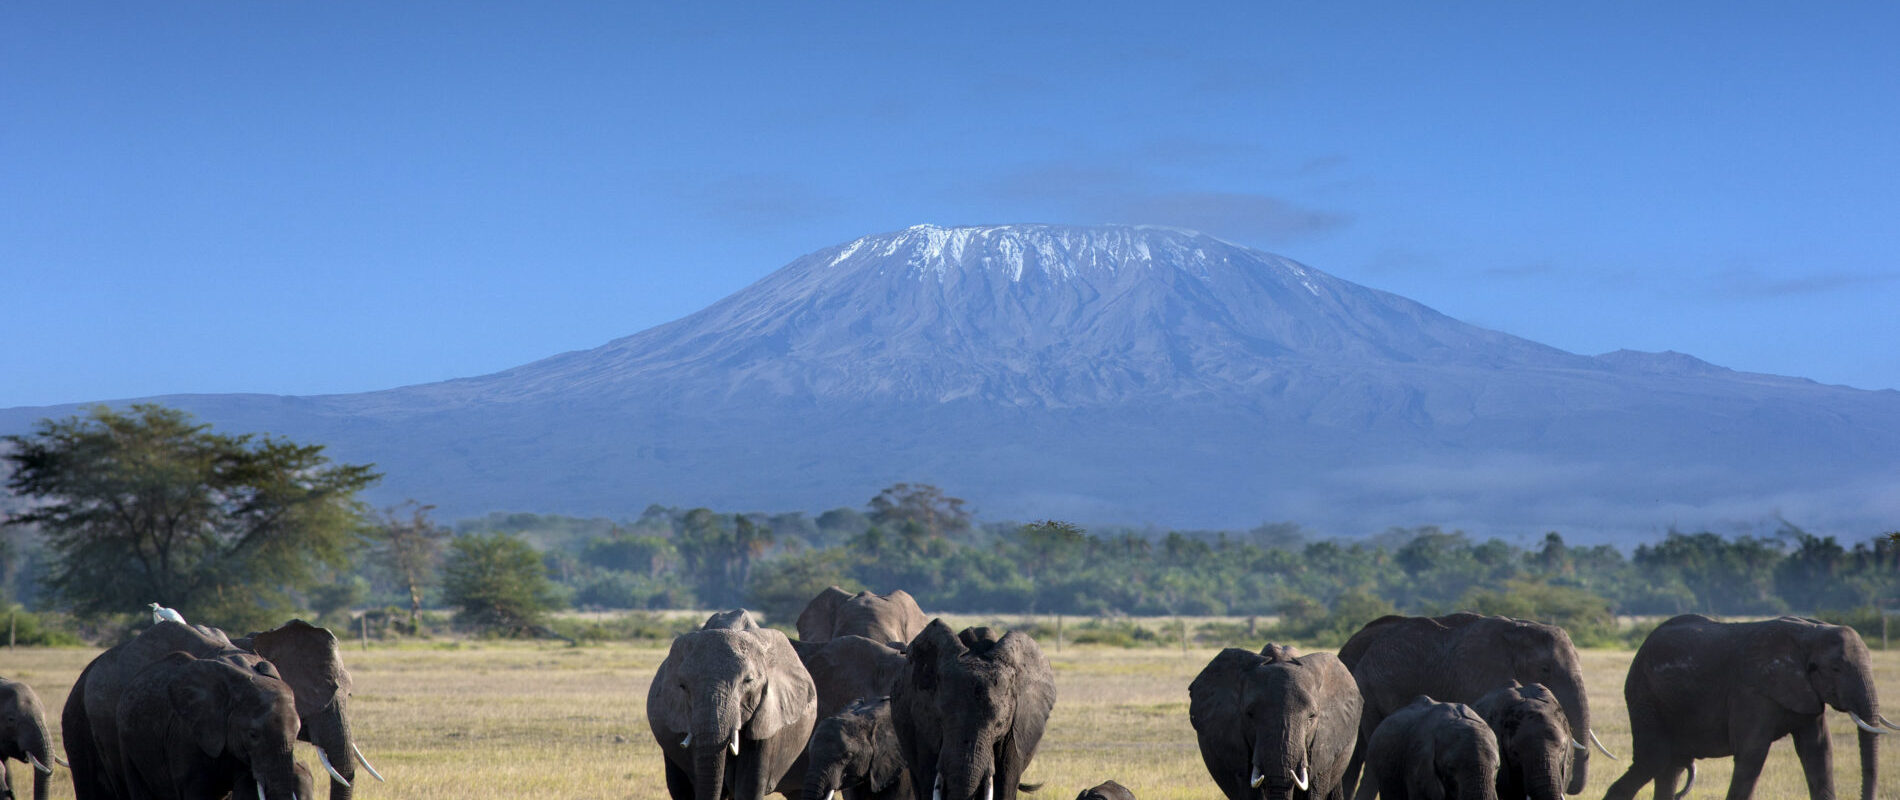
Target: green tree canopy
[[151, 506], [498, 582]]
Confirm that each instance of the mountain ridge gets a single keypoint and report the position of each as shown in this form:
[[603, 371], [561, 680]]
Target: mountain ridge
[[1115, 373]]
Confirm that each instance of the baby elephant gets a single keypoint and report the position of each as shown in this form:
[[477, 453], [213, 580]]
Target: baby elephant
[[855, 751], [24, 738], [1106, 790], [1431, 750], [1534, 744]]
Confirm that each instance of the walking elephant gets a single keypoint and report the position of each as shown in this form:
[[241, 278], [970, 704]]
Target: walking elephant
[[306, 657], [189, 727], [1534, 741], [1699, 688], [732, 708], [970, 710], [1429, 750], [24, 738], [892, 617], [1274, 725], [856, 752], [1458, 658]]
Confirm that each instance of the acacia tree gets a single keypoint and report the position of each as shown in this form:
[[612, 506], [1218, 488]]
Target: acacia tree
[[499, 582], [151, 506], [410, 550]]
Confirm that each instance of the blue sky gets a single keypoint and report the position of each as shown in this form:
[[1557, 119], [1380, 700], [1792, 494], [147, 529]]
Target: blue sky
[[307, 198]]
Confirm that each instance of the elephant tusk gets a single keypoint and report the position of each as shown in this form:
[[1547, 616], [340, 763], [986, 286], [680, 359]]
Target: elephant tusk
[[936, 790], [1690, 784], [1886, 723], [686, 741], [62, 762], [37, 765], [831, 795], [1864, 726], [327, 767], [1257, 778], [1573, 743], [260, 792], [989, 788], [734, 746], [1599, 743], [1300, 780], [365, 762]]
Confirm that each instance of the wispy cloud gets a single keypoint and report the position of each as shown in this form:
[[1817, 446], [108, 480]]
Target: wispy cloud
[[1748, 283], [1101, 192]]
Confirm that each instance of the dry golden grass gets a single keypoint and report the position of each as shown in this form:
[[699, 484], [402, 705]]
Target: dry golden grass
[[490, 720]]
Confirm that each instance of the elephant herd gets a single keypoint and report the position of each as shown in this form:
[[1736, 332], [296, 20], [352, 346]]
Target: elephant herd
[[874, 702], [185, 712]]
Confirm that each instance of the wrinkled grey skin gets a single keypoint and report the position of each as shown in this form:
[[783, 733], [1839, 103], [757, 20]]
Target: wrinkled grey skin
[[856, 752], [23, 733], [189, 727], [1106, 790], [1431, 751], [1534, 741], [844, 670], [730, 678], [306, 656], [1458, 658], [1705, 689], [970, 710], [889, 618], [1278, 716]]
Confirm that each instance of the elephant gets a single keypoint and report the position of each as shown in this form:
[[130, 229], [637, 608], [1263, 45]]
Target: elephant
[[1458, 658], [1699, 688], [970, 709], [1534, 741], [732, 708], [892, 617], [1429, 750], [1106, 790], [24, 738], [188, 727], [1274, 724], [856, 752], [849, 668], [306, 656]]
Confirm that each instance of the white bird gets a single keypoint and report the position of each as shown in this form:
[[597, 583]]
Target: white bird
[[163, 614]]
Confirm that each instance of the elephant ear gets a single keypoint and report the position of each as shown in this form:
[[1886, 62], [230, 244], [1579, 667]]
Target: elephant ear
[[927, 652], [789, 695], [199, 695], [815, 622], [1035, 691], [914, 619], [1214, 704], [1780, 671], [307, 657], [667, 701]]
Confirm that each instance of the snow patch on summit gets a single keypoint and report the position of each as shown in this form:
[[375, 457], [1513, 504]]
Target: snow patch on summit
[[1016, 251]]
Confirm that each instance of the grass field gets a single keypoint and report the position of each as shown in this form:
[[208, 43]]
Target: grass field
[[490, 720]]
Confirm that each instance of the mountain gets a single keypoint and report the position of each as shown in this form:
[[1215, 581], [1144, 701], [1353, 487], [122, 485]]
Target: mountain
[[1112, 374]]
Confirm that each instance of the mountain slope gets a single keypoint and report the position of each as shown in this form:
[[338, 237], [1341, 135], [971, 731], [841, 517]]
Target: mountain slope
[[1112, 374]]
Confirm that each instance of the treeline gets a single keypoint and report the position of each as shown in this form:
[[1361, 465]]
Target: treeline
[[916, 538], [112, 510]]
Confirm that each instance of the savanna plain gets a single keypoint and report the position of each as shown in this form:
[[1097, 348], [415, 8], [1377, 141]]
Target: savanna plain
[[456, 720]]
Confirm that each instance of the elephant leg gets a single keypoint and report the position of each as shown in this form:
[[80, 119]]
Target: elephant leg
[[679, 781], [6, 781], [1626, 787], [1812, 747], [1748, 763], [1666, 781]]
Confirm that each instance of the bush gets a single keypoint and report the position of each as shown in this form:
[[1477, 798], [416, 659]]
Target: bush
[[37, 630], [499, 583], [1115, 633]]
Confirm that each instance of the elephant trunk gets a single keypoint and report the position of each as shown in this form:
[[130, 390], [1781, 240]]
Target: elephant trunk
[[1577, 713], [968, 775], [1541, 782], [34, 743], [275, 777], [1478, 780], [1279, 762], [715, 736], [822, 780], [329, 730]]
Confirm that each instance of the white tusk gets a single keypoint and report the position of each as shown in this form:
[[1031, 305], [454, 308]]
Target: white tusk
[[1887, 723], [1599, 743], [1690, 784], [989, 789], [61, 762], [686, 741], [337, 776], [1573, 743], [936, 791], [365, 762], [735, 743], [260, 790], [37, 765], [1301, 779], [1864, 726], [1257, 778], [831, 795]]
